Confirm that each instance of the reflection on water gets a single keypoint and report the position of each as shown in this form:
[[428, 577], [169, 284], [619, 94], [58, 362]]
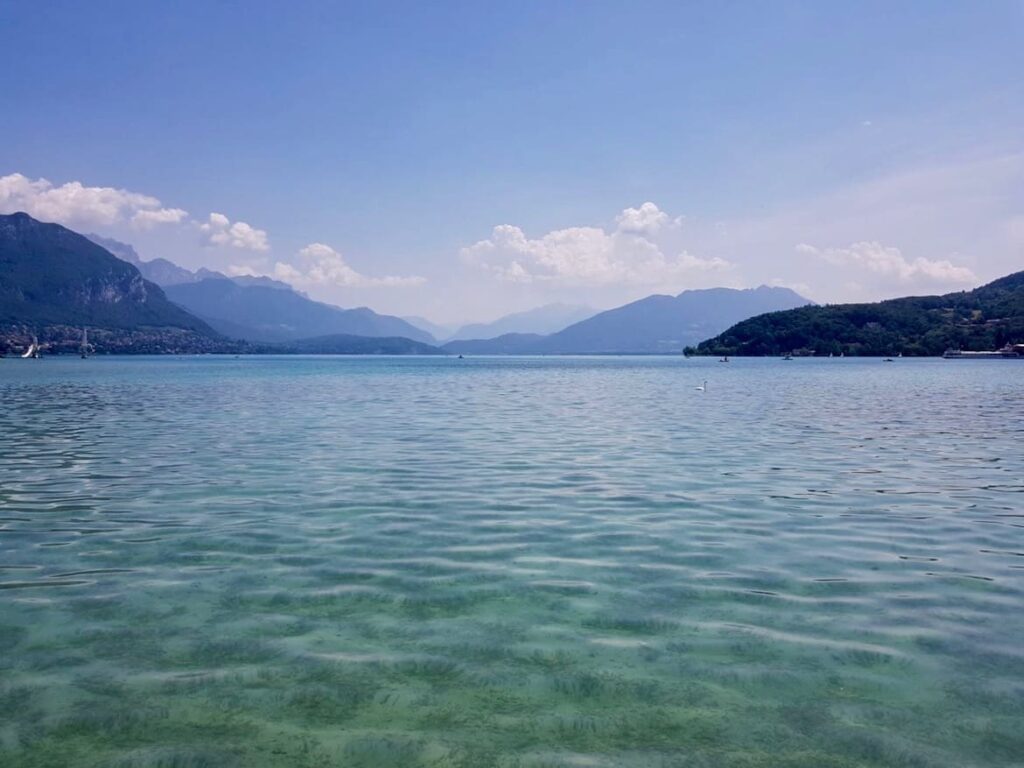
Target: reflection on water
[[511, 562]]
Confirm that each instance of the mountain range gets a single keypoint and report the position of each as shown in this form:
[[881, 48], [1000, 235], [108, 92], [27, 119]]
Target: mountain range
[[270, 314], [545, 319], [54, 282], [166, 273], [984, 318], [259, 309], [653, 325], [437, 330]]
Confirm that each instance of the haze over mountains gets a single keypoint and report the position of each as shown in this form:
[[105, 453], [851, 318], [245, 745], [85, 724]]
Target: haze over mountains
[[165, 273], [545, 319], [656, 324], [259, 308], [264, 310], [262, 313]]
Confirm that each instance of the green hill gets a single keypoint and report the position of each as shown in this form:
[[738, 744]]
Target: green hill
[[985, 318], [51, 276], [347, 344]]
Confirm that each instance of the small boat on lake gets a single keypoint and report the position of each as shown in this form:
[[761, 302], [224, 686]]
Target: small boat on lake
[[32, 353]]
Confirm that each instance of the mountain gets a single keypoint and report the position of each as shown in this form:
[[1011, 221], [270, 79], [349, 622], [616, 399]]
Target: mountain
[[159, 271], [51, 277], [507, 344], [345, 344], [261, 280], [656, 324], [542, 320], [165, 273], [436, 330], [257, 312], [985, 318]]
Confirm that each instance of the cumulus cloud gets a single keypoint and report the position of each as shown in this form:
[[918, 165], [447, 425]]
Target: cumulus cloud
[[590, 255], [242, 270], [648, 219], [321, 265], [74, 203], [146, 219], [220, 230], [889, 263]]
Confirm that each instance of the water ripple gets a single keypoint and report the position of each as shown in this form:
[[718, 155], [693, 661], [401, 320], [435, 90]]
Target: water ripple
[[510, 562]]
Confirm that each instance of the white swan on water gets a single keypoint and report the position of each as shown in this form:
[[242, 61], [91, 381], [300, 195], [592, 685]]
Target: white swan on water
[[703, 387]]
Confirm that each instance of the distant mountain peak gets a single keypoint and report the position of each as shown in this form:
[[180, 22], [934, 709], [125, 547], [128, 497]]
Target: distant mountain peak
[[165, 273], [547, 318], [655, 324], [251, 309]]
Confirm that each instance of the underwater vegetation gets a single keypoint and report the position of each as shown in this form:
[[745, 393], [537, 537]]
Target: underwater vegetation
[[343, 579]]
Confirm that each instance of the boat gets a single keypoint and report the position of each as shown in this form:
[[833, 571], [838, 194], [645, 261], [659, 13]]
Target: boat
[[724, 359], [33, 350], [1009, 352], [787, 357], [85, 347]]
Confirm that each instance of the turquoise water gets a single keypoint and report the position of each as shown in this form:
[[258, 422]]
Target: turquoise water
[[511, 562]]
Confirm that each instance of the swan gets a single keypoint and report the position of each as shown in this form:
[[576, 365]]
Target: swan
[[703, 387]]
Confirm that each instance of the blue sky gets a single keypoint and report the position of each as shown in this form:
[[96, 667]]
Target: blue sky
[[854, 150]]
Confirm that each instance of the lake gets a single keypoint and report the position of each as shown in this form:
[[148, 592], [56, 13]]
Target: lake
[[328, 561]]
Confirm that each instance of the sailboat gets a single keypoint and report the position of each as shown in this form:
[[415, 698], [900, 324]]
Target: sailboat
[[84, 349], [33, 350]]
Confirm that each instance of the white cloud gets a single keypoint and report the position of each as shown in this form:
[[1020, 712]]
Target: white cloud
[[645, 220], [590, 255], [147, 219], [889, 263], [76, 204], [963, 212], [220, 230], [321, 265], [241, 270]]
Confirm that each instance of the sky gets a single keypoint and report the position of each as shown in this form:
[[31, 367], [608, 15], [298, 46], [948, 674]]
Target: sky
[[463, 160]]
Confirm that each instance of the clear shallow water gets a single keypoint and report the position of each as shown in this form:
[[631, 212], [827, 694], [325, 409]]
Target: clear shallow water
[[511, 562]]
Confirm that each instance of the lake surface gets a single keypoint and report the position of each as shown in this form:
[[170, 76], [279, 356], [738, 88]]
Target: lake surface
[[511, 562]]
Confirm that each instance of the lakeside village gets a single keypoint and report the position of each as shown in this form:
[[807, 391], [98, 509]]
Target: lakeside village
[[65, 340]]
